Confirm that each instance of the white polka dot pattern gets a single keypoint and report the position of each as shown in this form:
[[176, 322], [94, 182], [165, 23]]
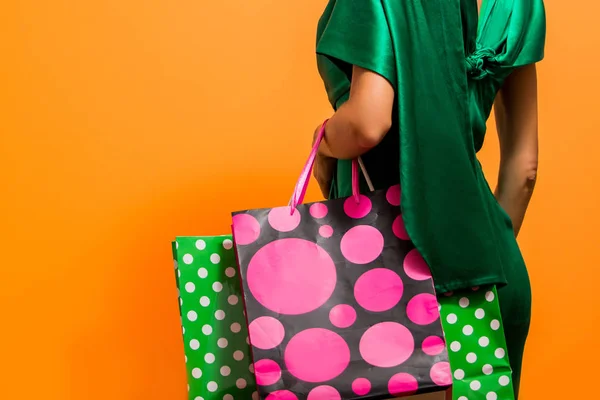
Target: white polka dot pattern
[[214, 328], [473, 328]]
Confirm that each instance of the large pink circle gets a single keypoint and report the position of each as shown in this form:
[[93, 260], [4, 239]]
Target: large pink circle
[[416, 267], [403, 384], [326, 231], [362, 244], [283, 220], [386, 344], [266, 333], [267, 372], [282, 395], [359, 209], [318, 210], [440, 374], [423, 309], [317, 355], [361, 386], [393, 195], [246, 229], [378, 290], [399, 229], [324, 393], [433, 345], [291, 276], [342, 316]]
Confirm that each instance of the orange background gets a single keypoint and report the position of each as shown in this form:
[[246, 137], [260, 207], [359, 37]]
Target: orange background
[[125, 123]]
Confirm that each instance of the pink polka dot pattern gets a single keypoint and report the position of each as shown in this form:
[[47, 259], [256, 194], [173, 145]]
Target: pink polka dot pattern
[[393, 195], [433, 345], [361, 386], [340, 303], [386, 345], [246, 229], [282, 395], [317, 355], [378, 290], [362, 244], [324, 393], [292, 285], [399, 229], [358, 209], [416, 267], [342, 316], [326, 231], [267, 372], [423, 309], [283, 220], [318, 210], [266, 333], [403, 384], [440, 374]]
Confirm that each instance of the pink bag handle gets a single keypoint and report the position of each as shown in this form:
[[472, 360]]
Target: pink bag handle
[[302, 184]]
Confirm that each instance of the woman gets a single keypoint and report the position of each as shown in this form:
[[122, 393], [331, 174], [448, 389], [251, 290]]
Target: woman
[[413, 83]]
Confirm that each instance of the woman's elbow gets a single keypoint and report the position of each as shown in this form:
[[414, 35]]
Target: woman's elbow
[[523, 170], [531, 174], [371, 132], [528, 166]]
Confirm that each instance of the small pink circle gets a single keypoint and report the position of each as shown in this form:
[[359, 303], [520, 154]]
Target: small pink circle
[[266, 333], [324, 393], [359, 209], [342, 316], [440, 374], [399, 229], [282, 395], [326, 231], [267, 372], [403, 384], [433, 345], [246, 229], [416, 267], [291, 276], [317, 355], [378, 290], [393, 195], [362, 244], [361, 386], [386, 344], [283, 220], [318, 210], [423, 309]]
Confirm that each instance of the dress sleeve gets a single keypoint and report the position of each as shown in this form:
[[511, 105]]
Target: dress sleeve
[[515, 31], [356, 32], [534, 39]]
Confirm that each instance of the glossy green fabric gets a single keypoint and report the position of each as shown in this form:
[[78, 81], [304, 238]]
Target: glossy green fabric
[[446, 68]]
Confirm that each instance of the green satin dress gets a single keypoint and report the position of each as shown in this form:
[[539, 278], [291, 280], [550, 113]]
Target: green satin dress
[[446, 64]]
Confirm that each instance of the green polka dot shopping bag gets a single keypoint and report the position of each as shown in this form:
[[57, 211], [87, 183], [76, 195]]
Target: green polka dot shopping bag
[[476, 345], [215, 335]]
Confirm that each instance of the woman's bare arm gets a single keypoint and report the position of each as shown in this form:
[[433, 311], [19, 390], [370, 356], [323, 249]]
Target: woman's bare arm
[[363, 121], [516, 112]]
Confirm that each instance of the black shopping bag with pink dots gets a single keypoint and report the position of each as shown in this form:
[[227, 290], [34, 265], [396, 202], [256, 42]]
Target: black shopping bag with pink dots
[[340, 304]]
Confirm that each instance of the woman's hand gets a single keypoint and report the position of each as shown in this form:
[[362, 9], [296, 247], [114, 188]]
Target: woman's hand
[[323, 172]]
